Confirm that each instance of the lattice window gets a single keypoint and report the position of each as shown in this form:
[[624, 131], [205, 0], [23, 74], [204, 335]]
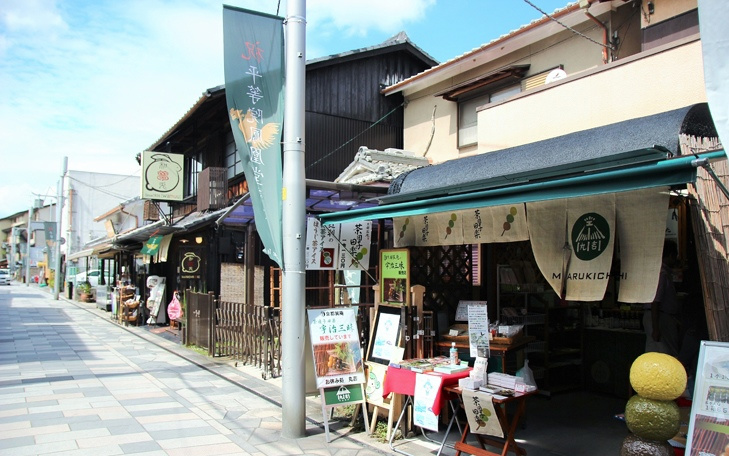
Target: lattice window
[[445, 272]]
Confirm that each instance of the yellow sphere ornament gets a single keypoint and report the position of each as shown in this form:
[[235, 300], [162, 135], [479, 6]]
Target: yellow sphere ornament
[[658, 376]]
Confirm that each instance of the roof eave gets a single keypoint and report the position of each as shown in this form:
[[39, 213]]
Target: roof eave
[[537, 30]]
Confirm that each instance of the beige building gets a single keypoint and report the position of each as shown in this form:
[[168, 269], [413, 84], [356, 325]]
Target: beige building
[[589, 64]]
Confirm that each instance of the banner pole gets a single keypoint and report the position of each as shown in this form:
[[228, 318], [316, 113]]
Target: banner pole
[[294, 226]]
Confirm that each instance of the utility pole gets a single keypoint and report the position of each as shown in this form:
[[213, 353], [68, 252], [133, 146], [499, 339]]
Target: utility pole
[[59, 211], [293, 338], [27, 247]]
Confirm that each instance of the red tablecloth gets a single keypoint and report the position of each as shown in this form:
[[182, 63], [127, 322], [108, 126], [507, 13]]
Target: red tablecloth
[[402, 381]]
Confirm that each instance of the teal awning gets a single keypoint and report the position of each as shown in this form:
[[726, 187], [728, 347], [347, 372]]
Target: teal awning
[[668, 172]]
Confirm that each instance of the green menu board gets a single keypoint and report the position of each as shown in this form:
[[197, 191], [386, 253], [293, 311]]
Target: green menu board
[[395, 276]]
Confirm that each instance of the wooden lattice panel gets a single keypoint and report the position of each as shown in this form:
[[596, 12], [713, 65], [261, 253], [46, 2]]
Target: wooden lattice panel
[[445, 272]]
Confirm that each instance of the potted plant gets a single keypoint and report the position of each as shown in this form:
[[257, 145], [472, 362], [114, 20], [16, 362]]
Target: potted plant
[[84, 290]]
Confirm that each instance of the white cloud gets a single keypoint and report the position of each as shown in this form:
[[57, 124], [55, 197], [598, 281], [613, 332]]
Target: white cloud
[[100, 81]]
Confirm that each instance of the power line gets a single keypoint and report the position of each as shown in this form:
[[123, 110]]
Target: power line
[[608, 46], [356, 136]]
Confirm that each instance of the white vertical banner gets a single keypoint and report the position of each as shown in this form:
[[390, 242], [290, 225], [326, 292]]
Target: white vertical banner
[[573, 241], [322, 247], [641, 223], [354, 252], [404, 231]]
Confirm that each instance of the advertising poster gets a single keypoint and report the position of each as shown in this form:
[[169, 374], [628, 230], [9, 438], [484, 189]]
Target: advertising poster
[[335, 345], [426, 389], [395, 276], [387, 332], [708, 433]]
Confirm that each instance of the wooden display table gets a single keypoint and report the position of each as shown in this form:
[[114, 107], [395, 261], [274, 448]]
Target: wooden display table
[[509, 426], [498, 350]]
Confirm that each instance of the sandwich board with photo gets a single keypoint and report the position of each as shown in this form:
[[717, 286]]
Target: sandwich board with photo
[[338, 364]]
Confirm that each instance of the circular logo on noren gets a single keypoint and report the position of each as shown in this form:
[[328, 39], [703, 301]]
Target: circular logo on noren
[[590, 236]]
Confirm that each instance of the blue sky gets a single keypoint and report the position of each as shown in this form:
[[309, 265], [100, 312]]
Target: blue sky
[[100, 81]]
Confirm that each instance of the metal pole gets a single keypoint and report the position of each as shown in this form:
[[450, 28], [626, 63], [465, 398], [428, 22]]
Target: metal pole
[[27, 248], [294, 227], [11, 260], [59, 211]]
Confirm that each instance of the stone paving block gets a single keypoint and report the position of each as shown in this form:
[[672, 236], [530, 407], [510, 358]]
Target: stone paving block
[[72, 435], [100, 442], [140, 447], [46, 448], [8, 443], [190, 442], [220, 449], [180, 425]]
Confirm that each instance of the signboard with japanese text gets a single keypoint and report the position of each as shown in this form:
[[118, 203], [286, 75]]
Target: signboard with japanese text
[[342, 247], [321, 245], [335, 345], [254, 91], [395, 276], [162, 177], [355, 238]]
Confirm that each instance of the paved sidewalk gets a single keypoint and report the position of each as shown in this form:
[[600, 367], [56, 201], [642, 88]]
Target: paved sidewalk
[[73, 382]]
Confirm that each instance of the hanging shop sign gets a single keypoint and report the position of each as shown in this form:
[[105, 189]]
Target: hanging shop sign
[[343, 246], [151, 246], [192, 264], [163, 176], [395, 276]]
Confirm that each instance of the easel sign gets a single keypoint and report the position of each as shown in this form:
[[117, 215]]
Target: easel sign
[[708, 431], [337, 355], [395, 277]]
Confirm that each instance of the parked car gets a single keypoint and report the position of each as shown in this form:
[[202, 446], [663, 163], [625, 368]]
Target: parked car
[[4, 277], [93, 277]]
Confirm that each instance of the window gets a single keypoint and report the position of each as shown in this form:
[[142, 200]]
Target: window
[[195, 165], [232, 159], [468, 118]]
